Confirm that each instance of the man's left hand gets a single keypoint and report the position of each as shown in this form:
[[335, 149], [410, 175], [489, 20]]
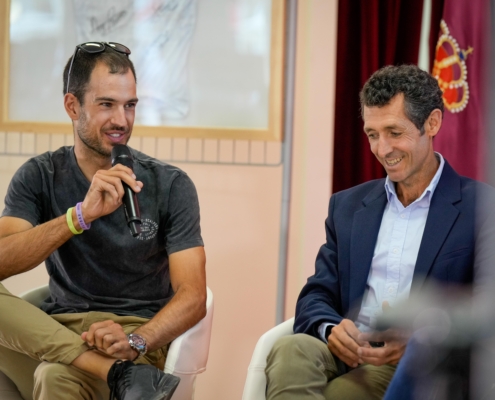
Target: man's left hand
[[109, 338], [392, 351]]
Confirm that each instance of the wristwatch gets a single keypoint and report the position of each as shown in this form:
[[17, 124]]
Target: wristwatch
[[138, 343]]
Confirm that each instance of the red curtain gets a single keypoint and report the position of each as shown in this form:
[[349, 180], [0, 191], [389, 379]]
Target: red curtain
[[436, 17], [371, 34]]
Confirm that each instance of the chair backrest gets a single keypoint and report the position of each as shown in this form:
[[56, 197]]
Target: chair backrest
[[255, 386], [187, 355], [36, 296]]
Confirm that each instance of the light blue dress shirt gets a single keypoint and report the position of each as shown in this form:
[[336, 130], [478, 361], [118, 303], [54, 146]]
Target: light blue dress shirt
[[396, 251]]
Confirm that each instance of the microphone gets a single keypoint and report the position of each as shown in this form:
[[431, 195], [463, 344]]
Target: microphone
[[122, 155]]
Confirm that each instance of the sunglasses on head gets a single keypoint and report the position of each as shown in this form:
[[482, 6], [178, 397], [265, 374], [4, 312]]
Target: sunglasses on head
[[93, 48]]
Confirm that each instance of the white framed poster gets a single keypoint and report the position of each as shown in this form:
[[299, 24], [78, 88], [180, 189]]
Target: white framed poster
[[205, 68]]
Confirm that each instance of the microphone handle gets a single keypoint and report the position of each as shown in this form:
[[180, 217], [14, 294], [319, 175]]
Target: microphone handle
[[132, 214]]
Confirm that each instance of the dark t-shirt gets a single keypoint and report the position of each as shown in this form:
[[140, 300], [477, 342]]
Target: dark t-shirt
[[106, 268]]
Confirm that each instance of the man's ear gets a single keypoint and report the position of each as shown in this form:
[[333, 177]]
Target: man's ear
[[433, 122], [72, 106]]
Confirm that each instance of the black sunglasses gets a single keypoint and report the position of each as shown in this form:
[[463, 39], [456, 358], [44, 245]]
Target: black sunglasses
[[93, 48]]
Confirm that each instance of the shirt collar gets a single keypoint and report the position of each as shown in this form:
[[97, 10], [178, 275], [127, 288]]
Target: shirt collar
[[428, 192]]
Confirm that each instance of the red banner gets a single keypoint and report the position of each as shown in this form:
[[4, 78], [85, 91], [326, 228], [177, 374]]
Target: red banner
[[460, 59]]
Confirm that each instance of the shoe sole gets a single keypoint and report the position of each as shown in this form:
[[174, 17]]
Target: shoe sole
[[166, 387]]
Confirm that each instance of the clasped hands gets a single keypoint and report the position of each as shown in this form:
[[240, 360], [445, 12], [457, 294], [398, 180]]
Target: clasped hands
[[352, 346], [109, 338]]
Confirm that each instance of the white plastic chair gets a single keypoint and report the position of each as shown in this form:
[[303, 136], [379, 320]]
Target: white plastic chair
[[255, 386], [187, 355]]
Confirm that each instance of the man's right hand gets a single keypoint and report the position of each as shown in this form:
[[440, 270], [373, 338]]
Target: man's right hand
[[104, 197], [106, 191], [343, 342]]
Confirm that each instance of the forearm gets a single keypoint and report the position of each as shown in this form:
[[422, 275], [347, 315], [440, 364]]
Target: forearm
[[314, 307], [22, 251], [185, 310]]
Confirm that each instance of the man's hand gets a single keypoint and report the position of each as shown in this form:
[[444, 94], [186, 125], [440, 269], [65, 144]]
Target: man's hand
[[106, 191], [109, 338], [395, 344], [344, 342]]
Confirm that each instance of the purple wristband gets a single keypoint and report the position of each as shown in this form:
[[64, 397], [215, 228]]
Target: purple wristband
[[80, 218]]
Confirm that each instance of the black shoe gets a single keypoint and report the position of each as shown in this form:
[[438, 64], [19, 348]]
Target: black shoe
[[128, 381]]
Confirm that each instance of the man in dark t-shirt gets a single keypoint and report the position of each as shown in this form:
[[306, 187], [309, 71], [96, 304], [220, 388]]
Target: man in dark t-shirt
[[114, 298]]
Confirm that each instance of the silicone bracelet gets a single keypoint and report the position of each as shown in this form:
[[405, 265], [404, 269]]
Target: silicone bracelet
[[80, 218], [71, 224]]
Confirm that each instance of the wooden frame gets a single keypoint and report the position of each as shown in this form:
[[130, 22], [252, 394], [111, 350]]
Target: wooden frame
[[275, 113]]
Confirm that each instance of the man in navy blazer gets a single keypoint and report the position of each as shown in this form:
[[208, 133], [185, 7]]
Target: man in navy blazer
[[343, 262], [384, 240]]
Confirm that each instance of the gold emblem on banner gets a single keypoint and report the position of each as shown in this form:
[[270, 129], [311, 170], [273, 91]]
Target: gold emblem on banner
[[449, 69]]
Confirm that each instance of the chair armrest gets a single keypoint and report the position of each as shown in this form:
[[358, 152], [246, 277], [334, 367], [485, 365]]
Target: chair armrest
[[188, 353], [254, 388]]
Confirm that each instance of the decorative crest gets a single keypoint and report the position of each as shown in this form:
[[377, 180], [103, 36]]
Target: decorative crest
[[449, 69]]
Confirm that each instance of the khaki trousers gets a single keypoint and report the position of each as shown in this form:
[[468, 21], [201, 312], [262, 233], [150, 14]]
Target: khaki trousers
[[301, 367], [36, 350]]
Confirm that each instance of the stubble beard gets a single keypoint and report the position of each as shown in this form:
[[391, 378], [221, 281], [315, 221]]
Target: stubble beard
[[91, 139]]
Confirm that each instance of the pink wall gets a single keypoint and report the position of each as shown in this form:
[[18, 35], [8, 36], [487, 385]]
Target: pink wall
[[313, 139], [240, 222], [240, 208]]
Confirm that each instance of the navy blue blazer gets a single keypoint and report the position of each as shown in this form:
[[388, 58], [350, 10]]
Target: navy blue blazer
[[446, 253]]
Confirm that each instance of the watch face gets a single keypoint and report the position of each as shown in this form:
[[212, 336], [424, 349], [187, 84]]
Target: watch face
[[137, 342]]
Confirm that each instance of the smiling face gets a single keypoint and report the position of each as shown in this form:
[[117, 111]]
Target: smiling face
[[405, 153], [107, 116]]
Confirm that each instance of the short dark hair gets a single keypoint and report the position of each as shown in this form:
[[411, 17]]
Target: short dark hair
[[85, 63], [421, 92]]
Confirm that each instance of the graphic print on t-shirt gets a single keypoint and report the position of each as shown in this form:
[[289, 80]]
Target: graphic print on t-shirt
[[149, 229]]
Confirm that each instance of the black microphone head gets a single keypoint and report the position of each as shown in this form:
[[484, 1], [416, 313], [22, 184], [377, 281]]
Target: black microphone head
[[122, 155]]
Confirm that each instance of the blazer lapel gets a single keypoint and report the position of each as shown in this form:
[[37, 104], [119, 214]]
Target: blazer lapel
[[365, 227], [441, 217]]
